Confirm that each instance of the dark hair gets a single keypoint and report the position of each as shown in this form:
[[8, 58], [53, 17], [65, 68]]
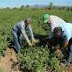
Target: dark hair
[[57, 30]]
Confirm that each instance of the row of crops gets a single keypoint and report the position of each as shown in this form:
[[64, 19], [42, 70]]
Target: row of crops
[[37, 58]]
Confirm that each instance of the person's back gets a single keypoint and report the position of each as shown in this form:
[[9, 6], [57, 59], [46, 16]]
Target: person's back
[[67, 29], [55, 21], [17, 27]]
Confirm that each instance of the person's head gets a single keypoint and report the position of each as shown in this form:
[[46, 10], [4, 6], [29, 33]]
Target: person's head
[[27, 21], [57, 32], [46, 19]]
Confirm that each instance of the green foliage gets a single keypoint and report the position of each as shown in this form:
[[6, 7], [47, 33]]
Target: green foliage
[[55, 64], [36, 58], [1, 70]]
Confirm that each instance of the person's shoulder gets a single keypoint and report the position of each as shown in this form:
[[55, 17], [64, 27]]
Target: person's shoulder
[[54, 17], [22, 21], [67, 24]]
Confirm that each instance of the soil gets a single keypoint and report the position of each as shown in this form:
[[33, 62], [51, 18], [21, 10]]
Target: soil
[[9, 62], [68, 69]]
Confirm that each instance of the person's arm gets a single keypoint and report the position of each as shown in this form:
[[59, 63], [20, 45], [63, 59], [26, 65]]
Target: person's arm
[[24, 34], [65, 44], [32, 36], [66, 41], [31, 32]]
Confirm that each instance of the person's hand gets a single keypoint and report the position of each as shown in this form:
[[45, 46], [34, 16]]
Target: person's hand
[[30, 44], [35, 41], [58, 53]]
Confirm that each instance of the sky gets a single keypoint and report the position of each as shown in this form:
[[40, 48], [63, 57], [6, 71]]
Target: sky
[[18, 3]]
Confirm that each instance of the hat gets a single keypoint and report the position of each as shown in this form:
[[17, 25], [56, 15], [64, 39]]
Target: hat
[[45, 17]]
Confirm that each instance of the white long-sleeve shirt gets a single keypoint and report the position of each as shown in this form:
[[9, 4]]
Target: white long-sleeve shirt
[[55, 21], [20, 27]]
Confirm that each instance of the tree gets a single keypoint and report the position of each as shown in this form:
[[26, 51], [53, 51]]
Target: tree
[[27, 7], [7, 8], [50, 5], [22, 7]]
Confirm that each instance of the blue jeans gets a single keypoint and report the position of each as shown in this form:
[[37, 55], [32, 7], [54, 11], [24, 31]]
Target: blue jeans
[[16, 40]]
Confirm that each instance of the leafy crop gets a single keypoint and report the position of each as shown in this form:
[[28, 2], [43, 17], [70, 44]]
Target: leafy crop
[[36, 58]]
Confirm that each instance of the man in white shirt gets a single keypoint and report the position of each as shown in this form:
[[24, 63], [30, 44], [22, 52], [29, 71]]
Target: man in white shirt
[[52, 21], [21, 28]]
